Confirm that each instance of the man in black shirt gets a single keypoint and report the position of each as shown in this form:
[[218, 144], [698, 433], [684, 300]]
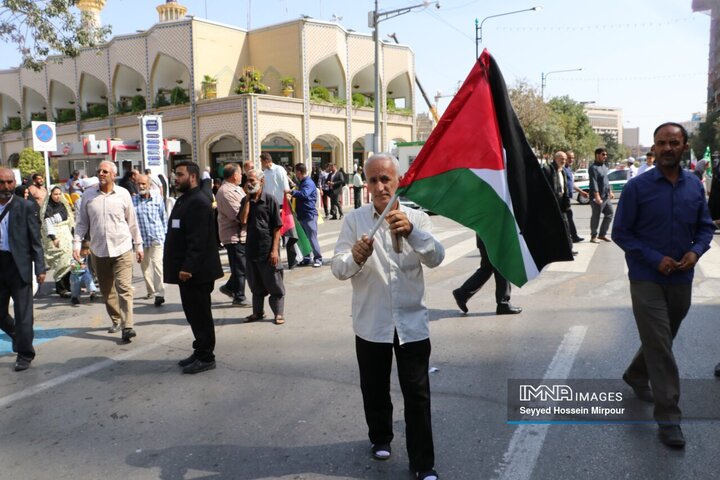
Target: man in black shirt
[[261, 214]]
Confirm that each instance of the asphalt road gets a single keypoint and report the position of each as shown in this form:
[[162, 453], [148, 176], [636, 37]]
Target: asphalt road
[[284, 402]]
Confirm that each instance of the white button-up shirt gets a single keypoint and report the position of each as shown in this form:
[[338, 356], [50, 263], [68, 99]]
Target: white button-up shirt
[[389, 289], [276, 183], [110, 219]]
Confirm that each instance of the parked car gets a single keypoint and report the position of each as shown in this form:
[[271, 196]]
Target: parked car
[[617, 178], [581, 174]]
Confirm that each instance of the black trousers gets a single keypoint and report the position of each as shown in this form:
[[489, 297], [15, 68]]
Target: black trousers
[[236, 260], [476, 281], [335, 207], [325, 198], [21, 328], [195, 300], [357, 196], [265, 279], [571, 225], [375, 364], [659, 310]]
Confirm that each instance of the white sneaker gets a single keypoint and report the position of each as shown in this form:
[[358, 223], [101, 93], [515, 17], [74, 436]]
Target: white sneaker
[[317, 263]]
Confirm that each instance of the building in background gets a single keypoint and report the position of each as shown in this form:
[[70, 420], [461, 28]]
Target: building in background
[[318, 108], [606, 120], [423, 126], [712, 7]]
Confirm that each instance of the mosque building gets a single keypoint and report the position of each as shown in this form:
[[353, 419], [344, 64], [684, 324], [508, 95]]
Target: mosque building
[[301, 90]]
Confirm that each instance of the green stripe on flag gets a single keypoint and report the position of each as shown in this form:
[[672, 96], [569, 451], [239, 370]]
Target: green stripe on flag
[[464, 197]]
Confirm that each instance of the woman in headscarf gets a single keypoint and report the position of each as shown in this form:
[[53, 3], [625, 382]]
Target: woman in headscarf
[[22, 191], [57, 224]]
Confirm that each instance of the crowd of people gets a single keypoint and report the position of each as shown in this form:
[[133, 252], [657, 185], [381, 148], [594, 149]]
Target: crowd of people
[[97, 238]]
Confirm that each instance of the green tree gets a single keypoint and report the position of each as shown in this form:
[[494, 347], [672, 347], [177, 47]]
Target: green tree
[[708, 133], [579, 135], [616, 152], [31, 162], [39, 27], [535, 118]]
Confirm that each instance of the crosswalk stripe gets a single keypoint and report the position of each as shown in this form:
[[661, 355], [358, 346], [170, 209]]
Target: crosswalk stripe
[[581, 263], [709, 263]]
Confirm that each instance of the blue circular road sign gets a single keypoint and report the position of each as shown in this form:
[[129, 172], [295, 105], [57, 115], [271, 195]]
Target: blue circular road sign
[[44, 133]]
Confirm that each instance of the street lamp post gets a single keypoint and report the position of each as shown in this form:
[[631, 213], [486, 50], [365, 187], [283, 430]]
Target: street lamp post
[[544, 76], [478, 27], [374, 18]]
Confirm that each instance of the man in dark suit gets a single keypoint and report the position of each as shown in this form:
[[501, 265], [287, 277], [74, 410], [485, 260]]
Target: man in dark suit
[[192, 262], [336, 181], [20, 248], [473, 284]]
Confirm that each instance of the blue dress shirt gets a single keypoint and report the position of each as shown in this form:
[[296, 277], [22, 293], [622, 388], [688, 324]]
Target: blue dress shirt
[[306, 196], [655, 219]]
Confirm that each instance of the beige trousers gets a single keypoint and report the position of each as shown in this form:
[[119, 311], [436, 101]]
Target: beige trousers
[[152, 270], [115, 279]]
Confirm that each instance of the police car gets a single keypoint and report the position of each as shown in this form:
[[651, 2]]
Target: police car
[[617, 178]]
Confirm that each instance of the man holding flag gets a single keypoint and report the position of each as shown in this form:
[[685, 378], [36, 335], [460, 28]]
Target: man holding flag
[[389, 312], [306, 210]]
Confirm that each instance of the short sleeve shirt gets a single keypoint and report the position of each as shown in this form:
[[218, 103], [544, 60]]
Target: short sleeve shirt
[[263, 220]]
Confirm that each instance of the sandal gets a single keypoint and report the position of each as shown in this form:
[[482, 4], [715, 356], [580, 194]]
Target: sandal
[[381, 451], [427, 475], [254, 317], [279, 319]]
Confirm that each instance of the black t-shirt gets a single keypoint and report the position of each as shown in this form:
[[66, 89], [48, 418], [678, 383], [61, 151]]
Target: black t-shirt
[[263, 219]]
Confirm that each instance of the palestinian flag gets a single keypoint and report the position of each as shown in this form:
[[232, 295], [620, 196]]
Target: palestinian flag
[[478, 169]]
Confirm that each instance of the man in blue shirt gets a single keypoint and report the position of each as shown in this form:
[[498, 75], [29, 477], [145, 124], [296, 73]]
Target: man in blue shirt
[[601, 195], [664, 226], [150, 212], [306, 209]]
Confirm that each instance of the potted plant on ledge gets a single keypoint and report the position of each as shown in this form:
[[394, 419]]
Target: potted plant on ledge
[[209, 87], [250, 81], [288, 86]]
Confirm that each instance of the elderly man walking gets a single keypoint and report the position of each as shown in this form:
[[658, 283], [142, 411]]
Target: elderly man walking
[[389, 313], [232, 233], [20, 250], [150, 211], [108, 216]]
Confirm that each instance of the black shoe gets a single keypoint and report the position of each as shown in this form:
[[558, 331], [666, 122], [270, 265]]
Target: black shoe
[[507, 309], [21, 364], [643, 392], [717, 370], [114, 329], [226, 291], [128, 333], [199, 366], [93, 295], [460, 300], [159, 301], [74, 301], [577, 239], [187, 361], [305, 263], [427, 475], [381, 451], [671, 435]]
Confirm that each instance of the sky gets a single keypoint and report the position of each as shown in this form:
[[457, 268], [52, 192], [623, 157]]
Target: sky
[[647, 57]]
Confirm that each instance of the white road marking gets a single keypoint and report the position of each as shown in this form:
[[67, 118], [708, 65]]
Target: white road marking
[[582, 260], [459, 250], [85, 371], [527, 441], [709, 263]]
